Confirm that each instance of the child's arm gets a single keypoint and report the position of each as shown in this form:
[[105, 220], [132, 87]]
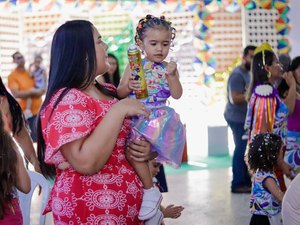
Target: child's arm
[[171, 211], [23, 180], [272, 187], [127, 84], [173, 80], [123, 89]]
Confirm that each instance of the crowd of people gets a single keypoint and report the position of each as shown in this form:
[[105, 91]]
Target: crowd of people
[[92, 139]]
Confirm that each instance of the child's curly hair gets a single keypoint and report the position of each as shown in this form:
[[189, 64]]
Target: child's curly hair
[[263, 152], [152, 22]]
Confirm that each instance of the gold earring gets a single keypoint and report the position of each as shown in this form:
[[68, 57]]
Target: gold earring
[[269, 74]]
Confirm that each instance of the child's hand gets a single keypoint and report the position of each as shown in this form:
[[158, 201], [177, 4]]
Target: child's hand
[[134, 85], [171, 68], [172, 211]]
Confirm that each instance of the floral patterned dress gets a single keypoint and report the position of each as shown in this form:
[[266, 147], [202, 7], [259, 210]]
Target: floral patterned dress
[[111, 196]]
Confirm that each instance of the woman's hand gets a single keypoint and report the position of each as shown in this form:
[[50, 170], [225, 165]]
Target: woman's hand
[[289, 78], [286, 169], [140, 150], [133, 107]]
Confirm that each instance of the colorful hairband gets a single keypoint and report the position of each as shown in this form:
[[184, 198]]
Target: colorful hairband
[[262, 48]]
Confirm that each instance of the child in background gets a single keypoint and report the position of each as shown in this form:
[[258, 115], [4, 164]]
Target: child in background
[[13, 174], [266, 196], [170, 211], [38, 73], [163, 129]]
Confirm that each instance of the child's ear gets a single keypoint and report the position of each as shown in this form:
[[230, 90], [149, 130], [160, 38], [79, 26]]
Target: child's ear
[[140, 44]]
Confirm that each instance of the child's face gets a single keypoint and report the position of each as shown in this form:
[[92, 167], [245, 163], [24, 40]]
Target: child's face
[[156, 44], [154, 167]]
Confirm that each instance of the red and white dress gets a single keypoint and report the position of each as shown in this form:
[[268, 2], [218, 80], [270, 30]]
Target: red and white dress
[[113, 195]]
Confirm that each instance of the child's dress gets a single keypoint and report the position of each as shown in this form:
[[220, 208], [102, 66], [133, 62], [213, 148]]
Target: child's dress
[[262, 201], [39, 79], [163, 129]]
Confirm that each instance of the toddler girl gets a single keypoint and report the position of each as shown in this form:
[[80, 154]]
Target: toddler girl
[[163, 129], [266, 196]]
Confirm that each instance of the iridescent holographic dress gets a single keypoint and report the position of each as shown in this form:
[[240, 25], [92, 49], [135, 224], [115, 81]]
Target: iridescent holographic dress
[[163, 129]]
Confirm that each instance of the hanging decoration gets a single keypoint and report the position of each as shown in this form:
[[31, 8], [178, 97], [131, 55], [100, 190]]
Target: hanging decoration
[[203, 19]]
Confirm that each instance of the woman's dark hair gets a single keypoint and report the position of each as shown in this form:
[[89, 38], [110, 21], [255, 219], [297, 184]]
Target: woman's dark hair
[[116, 75], [263, 152], [73, 64], [14, 108], [8, 170], [283, 87], [259, 73]]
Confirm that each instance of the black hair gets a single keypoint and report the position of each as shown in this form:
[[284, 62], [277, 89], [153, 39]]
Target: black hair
[[14, 108], [116, 75], [8, 170], [73, 64], [247, 49], [259, 73], [283, 87], [150, 21], [263, 152]]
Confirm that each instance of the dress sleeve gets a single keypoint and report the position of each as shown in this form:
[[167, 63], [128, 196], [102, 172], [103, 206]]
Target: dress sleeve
[[73, 118]]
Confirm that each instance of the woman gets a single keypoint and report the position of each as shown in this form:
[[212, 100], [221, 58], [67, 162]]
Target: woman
[[15, 122], [292, 155], [82, 133], [266, 111], [113, 73]]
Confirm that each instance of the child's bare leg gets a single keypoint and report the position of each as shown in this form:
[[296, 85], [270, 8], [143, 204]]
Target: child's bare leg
[[152, 196], [143, 171]]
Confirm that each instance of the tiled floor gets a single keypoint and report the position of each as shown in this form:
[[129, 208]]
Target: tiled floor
[[205, 195]]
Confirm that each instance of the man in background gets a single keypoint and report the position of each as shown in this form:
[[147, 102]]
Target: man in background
[[235, 114], [22, 87]]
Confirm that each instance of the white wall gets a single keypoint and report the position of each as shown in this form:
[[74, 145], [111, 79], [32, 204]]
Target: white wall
[[294, 36]]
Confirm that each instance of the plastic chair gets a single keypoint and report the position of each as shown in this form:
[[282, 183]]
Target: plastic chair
[[25, 199]]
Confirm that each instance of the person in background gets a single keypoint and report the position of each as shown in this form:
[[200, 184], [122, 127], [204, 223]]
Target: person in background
[[38, 72], [113, 73], [291, 204], [267, 112], [22, 86], [235, 114], [13, 175], [292, 154], [266, 196], [169, 211], [17, 125], [82, 134]]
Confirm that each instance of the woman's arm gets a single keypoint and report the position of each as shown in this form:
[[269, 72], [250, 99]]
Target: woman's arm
[[23, 179], [22, 138], [290, 98], [173, 80], [25, 142], [89, 154]]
